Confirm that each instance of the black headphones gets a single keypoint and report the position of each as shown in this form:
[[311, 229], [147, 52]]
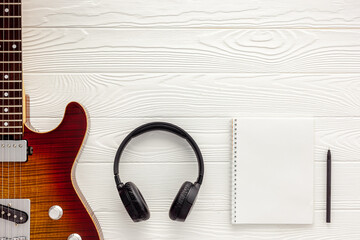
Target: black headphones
[[130, 195]]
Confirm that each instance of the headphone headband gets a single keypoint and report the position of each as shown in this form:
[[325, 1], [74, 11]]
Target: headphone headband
[[161, 126]]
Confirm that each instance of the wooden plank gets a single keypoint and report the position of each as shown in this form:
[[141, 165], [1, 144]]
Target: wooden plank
[[193, 14], [214, 225], [195, 95], [191, 51], [215, 193], [212, 134]]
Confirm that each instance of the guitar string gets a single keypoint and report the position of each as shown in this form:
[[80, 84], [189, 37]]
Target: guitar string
[[19, 48], [7, 132], [19, 87], [12, 102], [21, 94], [2, 118], [7, 104], [11, 109], [6, 117]]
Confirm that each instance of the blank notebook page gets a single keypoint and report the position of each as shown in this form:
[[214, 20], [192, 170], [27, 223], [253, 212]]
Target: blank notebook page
[[273, 171]]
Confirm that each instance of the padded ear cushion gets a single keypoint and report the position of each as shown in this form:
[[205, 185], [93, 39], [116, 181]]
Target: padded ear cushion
[[134, 202], [179, 201]]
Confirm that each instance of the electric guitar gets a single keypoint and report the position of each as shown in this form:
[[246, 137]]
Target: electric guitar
[[39, 196]]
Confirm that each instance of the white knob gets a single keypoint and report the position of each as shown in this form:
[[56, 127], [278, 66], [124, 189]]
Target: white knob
[[74, 236], [55, 212]]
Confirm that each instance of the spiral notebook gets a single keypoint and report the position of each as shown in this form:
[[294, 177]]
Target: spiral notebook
[[273, 171]]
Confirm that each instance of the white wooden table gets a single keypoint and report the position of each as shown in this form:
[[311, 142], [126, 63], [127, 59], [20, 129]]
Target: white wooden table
[[198, 63]]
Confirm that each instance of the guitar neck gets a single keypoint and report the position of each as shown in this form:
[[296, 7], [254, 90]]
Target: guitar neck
[[11, 84]]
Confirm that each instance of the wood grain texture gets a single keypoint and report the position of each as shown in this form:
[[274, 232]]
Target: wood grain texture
[[214, 225], [193, 14], [191, 51], [196, 95]]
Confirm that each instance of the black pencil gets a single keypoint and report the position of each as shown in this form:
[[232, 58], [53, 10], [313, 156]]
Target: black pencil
[[328, 188]]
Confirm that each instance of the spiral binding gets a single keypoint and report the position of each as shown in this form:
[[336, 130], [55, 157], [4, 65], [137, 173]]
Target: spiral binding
[[234, 173]]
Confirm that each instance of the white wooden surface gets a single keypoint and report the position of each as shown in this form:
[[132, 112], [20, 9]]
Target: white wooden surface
[[197, 64]]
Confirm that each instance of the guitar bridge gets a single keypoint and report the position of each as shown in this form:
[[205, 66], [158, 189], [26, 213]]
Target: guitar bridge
[[14, 216]]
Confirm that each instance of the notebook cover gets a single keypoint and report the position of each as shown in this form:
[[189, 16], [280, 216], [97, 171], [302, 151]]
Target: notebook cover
[[273, 171]]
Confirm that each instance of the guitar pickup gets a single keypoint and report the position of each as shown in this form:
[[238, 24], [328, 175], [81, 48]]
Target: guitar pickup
[[13, 151], [13, 215]]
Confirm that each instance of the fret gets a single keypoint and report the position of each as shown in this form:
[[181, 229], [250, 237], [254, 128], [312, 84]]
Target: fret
[[10, 17], [11, 121], [2, 72], [11, 41], [8, 133], [12, 103], [10, 62], [8, 114], [11, 116], [11, 67], [7, 9], [5, 84], [11, 98], [10, 81], [4, 28], [15, 51], [11, 56], [10, 90], [10, 22], [10, 46], [8, 117], [10, 34]]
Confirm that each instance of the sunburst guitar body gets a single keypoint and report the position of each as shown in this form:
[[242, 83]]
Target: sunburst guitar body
[[39, 196], [47, 182]]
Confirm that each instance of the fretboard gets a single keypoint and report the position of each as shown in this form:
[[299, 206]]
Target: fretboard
[[11, 93]]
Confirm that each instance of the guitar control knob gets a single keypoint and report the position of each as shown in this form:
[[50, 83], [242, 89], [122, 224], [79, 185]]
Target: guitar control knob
[[74, 236], [55, 212]]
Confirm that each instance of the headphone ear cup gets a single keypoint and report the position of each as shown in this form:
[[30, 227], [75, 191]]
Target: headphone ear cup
[[134, 202], [183, 202]]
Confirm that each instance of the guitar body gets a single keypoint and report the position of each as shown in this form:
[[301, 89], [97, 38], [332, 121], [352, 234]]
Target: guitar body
[[47, 179]]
